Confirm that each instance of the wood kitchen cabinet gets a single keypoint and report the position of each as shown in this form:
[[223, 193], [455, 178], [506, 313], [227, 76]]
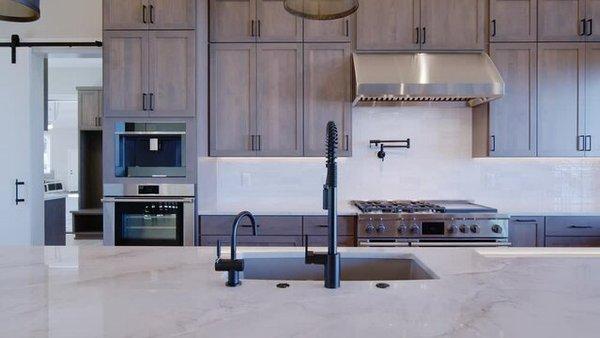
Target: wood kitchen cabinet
[[592, 100], [513, 118], [573, 231], [149, 14], [256, 100], [513, 20], [452, 25], [339, 30], [561, 20], [327, 71], [388, 25], [149, 73], [526, 231], [89, 106], [253, 21]]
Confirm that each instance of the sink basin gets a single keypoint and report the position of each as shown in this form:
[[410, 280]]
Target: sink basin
[[353, 269]]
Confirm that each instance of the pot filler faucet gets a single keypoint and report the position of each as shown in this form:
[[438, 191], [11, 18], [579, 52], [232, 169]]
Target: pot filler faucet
[[233, 266], [331, 260]]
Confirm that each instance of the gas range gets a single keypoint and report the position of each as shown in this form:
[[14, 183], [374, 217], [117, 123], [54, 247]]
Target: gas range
[[430, 223]]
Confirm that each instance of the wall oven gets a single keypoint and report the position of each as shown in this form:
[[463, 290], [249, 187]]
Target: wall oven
[[149, 214]]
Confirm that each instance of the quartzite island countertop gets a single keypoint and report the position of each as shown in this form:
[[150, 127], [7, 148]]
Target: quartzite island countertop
[[174, 292]]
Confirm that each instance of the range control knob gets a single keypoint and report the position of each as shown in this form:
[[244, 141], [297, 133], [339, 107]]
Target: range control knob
[[463, 228], [381, 228], [370, 229], [497, 229], [402, 229], [453, 229], [475, 228], [415, 229]]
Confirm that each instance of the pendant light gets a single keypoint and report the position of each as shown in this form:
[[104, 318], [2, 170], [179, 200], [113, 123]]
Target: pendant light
[[321, 9], [19, 10]]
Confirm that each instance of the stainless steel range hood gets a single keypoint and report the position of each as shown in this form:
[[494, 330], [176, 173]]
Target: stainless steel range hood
[[469, 77]]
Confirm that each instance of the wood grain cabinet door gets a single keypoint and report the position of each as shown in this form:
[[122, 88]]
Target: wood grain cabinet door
[[561, 20], [232, 20], [172, 65], [388, 25], [328, 30], [592, 99], [561, 113], [125, 58], [275, 24], [526, 231], [279, 99], [232, 99], [125, 14], [327, 96], [452, 25], [89, 105], [592, 9], [513, 20], [513, 118], [172, 14]]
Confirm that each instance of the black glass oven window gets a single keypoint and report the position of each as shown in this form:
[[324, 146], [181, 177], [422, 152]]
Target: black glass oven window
[[149, 223]]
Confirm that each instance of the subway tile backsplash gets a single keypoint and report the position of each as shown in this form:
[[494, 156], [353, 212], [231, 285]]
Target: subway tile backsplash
[[439, 165]]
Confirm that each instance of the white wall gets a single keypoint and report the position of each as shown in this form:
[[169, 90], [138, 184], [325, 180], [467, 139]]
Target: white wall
[[438, 166], [66, 74]]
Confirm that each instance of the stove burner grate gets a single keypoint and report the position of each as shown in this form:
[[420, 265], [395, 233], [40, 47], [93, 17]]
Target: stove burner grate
[[399, 206]]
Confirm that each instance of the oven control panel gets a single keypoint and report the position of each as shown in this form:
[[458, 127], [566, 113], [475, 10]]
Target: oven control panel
[[432, 226]]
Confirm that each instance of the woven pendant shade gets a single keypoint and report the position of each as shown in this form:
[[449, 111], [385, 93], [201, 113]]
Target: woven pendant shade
[[19, 10]]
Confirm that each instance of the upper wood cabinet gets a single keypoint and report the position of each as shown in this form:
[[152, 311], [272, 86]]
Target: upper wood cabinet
[[253, 20], [561, 100], [561, 20], [592, 9], [513, 118], [149, 14], [452, 25], [149, 73], [339, 30], [388, 25], [513, 20], [327, 96], [89, 106]]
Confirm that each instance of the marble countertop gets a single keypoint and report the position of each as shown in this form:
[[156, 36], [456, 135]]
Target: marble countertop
[[167, 292]]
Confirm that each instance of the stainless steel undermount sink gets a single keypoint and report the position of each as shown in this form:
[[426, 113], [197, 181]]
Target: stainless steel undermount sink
[[290, 268]]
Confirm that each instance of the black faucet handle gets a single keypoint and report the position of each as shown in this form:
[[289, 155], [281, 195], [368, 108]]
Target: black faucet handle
[[229, 265], [218, 249]]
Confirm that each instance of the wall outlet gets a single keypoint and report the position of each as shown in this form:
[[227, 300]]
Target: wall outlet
[[246, 180]]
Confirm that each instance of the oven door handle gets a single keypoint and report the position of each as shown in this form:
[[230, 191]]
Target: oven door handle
[[459, 244], [383, 244], [144, 200]]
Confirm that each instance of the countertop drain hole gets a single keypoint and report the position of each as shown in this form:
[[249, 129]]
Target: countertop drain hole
[[283, 285], [382, 285]]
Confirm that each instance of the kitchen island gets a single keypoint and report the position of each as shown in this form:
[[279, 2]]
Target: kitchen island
[[164, 292]]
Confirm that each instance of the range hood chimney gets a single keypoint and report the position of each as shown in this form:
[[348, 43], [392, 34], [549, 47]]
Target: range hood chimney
[[469, 77]]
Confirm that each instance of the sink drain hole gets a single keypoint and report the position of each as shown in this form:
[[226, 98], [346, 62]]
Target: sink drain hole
[[382, 285], [283, 285]]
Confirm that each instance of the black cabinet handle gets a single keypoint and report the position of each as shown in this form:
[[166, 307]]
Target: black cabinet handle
[[258, 28], [347, 142], [581, 143], [144, 14], [588, 143], [493, 143], [590, 27], [151, 13], [17, 198], [151, 107], [493, 27], [582, 27], [249, 226], [418, 36], [251, 27], [581, 227], [347, 27], [525, 221], [424, 35], [252, 142], [144, 95]]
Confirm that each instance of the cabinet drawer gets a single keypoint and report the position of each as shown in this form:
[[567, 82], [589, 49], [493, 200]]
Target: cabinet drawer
[[317, 225], [572, 226], [573, 241], [276, 241], [343, 241], [267, 225]]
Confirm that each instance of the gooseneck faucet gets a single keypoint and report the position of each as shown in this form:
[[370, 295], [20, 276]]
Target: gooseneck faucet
[[331, 260], [234, 266]]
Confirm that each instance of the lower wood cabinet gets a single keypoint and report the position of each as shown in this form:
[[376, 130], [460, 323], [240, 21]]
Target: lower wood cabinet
[[573, 231], [267, 241], [573, 241], [526, 231]]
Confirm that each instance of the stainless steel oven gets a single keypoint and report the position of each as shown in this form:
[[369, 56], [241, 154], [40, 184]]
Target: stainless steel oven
[[149, 214]]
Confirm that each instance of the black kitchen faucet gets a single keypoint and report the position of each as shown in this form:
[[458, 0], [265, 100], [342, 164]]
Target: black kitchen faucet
[[234, 266], [331, 260]]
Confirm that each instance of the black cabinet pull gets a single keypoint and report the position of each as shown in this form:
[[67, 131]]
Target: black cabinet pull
[[347, 142], [581, 143], [17, 198], [493, 27], [249, 226], [418, 36], [151, 107], [493, 143], [259, 139], [258, 28], [581, 227], [588, 143], [144, 95], [151, 13], [347, 27], [424, 35], [251, 27], [590, 27], [144, 14], [525, 221], [252, 142], [582, 27]]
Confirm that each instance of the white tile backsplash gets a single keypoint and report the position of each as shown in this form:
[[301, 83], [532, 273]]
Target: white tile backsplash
[[439, 165]]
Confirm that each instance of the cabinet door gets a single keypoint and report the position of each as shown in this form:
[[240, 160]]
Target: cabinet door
[[561, 99], [452, 25], [125, 58], [513, 117], [526, 231], [88, 102], [328, 30], [560, 20], [172, 69], [388, 25], [232, 20], [327, 96], [592, 9], [275, 24], [125, 14], [254, 241], [279, 99], [592, 99], [513, 20], [232, 99], [172, 14], [573, 242]]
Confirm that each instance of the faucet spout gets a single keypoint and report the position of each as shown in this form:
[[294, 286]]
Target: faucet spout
[[234, 266], [236, 223]]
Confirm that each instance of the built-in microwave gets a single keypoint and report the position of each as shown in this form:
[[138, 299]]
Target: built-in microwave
[[150, 149]]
